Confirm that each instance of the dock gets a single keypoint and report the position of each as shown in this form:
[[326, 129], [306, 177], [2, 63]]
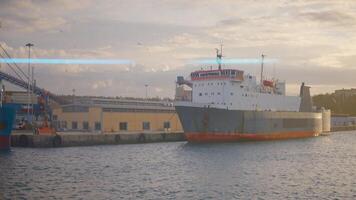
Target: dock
[[72, 139], [343, 128], [90, 139]]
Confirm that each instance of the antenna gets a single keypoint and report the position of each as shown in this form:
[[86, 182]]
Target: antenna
[[219, 55]]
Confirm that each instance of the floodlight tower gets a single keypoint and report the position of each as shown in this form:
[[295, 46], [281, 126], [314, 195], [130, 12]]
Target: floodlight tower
[[146, 86], [29, 45]]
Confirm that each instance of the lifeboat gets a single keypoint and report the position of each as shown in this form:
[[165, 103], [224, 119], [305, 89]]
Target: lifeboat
[[268, 83]]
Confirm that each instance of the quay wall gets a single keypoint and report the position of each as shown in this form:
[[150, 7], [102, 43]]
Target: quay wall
[[89, 139], [343, 128]]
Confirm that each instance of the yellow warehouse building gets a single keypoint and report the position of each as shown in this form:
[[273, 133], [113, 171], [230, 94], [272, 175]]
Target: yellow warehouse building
[[108, 115]]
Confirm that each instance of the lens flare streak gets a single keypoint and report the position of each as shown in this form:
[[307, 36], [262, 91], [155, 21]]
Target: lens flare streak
[[233, 61], [67, 61]]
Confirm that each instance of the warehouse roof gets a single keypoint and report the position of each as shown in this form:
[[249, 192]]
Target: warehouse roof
[[117, 105]]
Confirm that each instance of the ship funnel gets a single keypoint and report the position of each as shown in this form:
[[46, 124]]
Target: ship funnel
[[182, 81], [306, 104]]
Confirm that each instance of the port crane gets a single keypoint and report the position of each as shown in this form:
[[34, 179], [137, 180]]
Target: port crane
[[44, 96]]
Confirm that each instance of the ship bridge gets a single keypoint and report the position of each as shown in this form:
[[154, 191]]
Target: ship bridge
[[219, 74]]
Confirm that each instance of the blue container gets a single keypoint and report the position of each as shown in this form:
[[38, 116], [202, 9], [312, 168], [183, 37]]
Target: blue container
[[7, 118]]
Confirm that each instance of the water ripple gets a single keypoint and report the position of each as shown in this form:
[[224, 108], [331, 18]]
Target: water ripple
[[314, 168]]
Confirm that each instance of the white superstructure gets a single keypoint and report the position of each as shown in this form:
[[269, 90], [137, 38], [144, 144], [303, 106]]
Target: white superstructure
[[232, 89]]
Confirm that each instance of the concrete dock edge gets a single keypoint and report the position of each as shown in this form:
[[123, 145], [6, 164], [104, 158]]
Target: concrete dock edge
[[90, 139]]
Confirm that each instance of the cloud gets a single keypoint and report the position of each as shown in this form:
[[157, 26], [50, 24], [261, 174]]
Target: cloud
[[232, 22], [102, 84], [30, 16], [330, 16], [314, 40]]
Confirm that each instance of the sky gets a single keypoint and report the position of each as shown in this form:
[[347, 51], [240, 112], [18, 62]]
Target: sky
[[311, 41]]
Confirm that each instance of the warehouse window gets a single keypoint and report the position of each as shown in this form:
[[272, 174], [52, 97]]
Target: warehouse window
[[123, 126], [85, 125], [74, 125], [167, 125], [64, 124], [146, 125], [97, 126]]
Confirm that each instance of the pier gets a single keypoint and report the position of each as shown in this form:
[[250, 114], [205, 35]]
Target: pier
[[88, 139]]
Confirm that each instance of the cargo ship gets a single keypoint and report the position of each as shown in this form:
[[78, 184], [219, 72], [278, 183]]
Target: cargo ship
[[225, 105], [7, 118]]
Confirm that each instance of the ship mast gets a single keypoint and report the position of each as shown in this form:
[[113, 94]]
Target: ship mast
[[219, 56], [261, 81]]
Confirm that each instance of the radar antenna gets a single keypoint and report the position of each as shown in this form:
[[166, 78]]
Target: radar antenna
[[219, 55]]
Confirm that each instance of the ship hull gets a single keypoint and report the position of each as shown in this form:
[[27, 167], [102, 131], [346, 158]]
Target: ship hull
[[204, 124], [235, 137]]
